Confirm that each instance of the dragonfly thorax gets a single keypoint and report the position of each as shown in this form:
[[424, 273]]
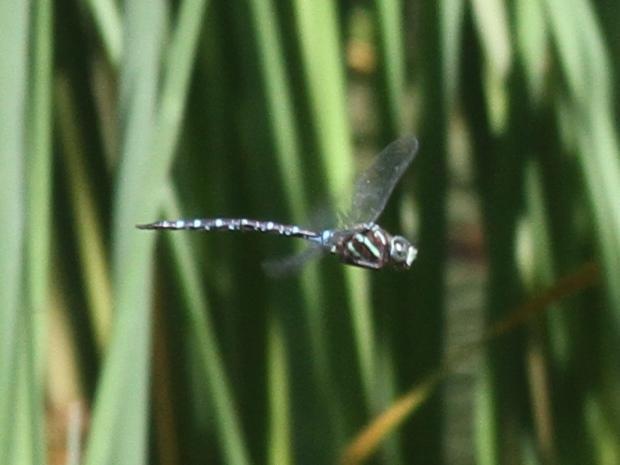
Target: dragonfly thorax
[[370, 246]]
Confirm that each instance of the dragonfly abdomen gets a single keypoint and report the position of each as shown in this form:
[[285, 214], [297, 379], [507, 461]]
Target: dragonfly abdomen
[[233, 224]]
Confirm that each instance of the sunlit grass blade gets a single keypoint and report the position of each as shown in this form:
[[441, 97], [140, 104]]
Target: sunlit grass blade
[[587, 70], [322, 65], [390, 15], [491, 20], [321, 53], [30, 445], [14, 44], [119, 423], [177, 66], [107, 19], [531, 39], [39, 165]]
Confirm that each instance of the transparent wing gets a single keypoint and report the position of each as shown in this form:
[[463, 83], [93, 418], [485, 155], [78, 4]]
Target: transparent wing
[[280, 267], [374, 187]]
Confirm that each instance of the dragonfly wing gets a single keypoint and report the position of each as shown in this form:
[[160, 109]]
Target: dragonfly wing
[[374, 187], [277, 268]]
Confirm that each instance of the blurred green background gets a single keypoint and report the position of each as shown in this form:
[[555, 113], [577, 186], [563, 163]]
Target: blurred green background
[[121, 346]]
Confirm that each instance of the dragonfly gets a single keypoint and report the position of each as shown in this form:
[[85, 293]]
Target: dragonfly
[[360, 241]]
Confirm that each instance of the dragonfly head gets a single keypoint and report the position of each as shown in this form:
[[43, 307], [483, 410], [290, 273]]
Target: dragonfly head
[[402, 253]]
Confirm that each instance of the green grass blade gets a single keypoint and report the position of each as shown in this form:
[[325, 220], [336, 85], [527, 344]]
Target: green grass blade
[[420, 301], [31, 446], [227, 422], [119, 423], [14, 30], [390, 16], [498, 161], [89, 232], [451, 17], [322, 65], [597, 142], [39, 163], [532, 33], [288, 152], [178, 64], [108, 21], [491, 19], [279, 98], [280, 443]]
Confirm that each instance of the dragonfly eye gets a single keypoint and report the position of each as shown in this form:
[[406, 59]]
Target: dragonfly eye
[[402, 252]]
